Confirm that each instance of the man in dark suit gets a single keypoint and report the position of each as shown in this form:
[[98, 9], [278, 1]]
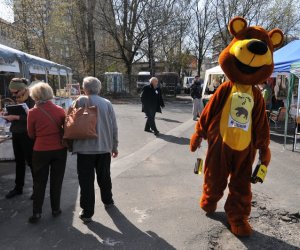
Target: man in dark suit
[[152, 102]]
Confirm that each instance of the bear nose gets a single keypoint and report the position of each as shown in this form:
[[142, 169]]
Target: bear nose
[[257, 47]]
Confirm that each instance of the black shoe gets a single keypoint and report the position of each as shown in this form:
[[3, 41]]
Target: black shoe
[[148, 130], [34, 218], [56, 213], [156, 132], [13, 193], [109, 205], [84, 217]]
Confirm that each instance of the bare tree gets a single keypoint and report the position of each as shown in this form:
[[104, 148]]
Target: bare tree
[[171, 31], [203, 29], [122, 21], [165, 22]]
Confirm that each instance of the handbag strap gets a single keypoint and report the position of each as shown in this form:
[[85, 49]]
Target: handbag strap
[[50, 117]]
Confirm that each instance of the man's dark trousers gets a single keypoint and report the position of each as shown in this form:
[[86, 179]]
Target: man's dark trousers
[[150, 123], [87, 164]]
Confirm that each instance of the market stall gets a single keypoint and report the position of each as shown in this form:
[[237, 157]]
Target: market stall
[[15, 63], [26, 65], [286, 65]]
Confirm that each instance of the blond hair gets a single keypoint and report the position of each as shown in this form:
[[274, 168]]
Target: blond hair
[[41, 92]]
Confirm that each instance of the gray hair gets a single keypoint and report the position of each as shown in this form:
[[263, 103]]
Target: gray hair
[[91, 85], [152, 79], [41, 92]]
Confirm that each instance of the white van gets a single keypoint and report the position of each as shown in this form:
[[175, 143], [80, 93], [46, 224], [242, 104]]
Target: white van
[[143, 78], [187, 83]]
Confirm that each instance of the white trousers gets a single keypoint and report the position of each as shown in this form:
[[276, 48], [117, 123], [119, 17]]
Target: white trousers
[[197, 107]]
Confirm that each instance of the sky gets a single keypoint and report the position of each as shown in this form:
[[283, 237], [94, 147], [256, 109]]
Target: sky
[[6, 12]]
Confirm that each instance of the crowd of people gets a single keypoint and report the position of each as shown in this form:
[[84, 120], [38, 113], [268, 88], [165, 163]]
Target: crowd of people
[[37, 142]]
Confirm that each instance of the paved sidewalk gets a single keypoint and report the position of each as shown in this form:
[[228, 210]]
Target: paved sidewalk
[[157, 196]]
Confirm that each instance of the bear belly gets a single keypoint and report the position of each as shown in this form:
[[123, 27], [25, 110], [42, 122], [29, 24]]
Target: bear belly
[[235, 124]]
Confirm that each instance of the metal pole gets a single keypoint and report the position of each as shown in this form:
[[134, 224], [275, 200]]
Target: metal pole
[[46, 76], [94, 50], [291, 81]]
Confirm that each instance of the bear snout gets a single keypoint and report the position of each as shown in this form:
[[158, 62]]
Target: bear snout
[[257, 47]]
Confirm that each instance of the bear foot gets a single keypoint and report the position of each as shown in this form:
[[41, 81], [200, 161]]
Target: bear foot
[[241, 229], [209, 208]]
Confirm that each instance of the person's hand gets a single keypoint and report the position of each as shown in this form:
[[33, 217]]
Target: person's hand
[[11, 118], [114, 154]]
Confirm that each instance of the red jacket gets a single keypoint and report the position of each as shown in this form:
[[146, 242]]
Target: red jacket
[[41, 128]]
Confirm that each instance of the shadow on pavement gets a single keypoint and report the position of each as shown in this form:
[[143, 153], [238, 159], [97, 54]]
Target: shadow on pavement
[[175, 139], [258, 240], [168, 120], [129, 237], [63, 232], [277, 133]]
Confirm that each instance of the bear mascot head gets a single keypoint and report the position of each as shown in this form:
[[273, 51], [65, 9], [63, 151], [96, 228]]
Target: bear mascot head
[[235, 123], [248, 59]]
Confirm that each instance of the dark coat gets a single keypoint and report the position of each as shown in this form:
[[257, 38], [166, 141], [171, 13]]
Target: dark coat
[[152, 100], [196, 90], [20, 126]]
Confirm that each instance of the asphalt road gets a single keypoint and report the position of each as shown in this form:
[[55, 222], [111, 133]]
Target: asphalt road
[[157, 198]]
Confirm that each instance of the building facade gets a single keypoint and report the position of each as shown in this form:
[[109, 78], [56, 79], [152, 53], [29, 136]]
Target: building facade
[[7, 34]]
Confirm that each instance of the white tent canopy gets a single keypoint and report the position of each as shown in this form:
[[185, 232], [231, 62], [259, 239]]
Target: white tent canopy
[[212, 71]]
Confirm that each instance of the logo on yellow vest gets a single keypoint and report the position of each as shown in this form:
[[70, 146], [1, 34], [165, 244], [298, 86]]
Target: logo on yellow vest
[[240, 110], [236, 119]]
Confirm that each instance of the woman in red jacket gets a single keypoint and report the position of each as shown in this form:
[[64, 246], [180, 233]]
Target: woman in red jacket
[[44, 124]]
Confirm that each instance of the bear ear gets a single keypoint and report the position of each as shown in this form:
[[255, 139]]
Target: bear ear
[[236, 25], [276, 37]]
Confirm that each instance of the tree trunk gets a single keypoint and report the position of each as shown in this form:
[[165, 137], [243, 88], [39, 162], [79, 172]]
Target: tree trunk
[[151, 55], [129, 75], [200, 61]]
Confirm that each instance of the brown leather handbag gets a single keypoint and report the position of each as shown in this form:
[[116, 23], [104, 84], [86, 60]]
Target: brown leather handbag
[[80, 123]]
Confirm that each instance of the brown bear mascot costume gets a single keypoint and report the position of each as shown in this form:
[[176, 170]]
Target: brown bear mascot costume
[[235, 124]]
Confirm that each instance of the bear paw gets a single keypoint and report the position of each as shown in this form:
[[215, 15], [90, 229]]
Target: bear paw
[[209, 208], [241, 229]]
